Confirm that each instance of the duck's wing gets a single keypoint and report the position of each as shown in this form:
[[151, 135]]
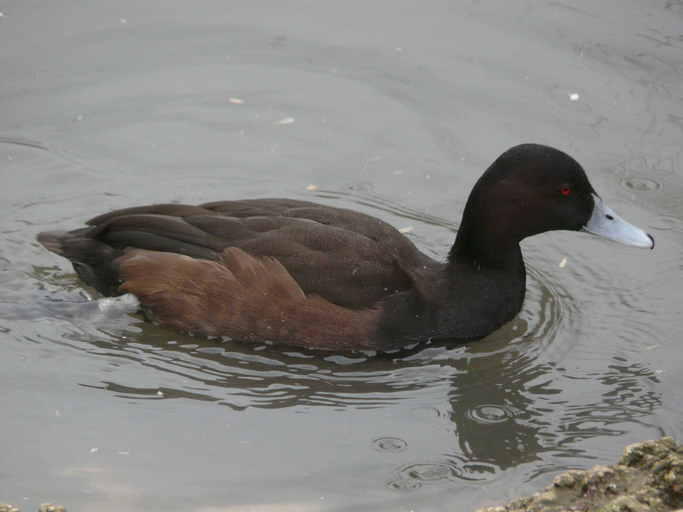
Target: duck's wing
[[347, 257]]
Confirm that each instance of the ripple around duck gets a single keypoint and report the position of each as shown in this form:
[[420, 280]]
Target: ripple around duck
[[382, 204], [667, 223]]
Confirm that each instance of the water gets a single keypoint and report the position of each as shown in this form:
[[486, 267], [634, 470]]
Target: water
[[393, 109]]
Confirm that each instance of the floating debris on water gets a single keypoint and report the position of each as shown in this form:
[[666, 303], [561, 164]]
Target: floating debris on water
[[312, 187], [574, 96], [563, 263], [285, 120], [407, 229], [94, 450], [236, 101]]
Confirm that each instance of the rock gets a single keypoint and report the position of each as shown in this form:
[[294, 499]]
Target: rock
[[647, 478], [49, 507], [45, 507]]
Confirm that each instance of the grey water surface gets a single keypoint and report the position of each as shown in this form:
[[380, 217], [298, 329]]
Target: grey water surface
[[393, 108]]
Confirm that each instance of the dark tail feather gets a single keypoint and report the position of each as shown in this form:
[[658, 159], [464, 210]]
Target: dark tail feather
[[51, 240], [92, 259]]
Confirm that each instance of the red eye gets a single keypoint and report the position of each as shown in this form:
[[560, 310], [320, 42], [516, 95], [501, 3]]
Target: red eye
[[565, 191]]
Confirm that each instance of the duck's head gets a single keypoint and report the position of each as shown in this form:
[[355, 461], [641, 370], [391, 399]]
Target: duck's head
[[531, 189]]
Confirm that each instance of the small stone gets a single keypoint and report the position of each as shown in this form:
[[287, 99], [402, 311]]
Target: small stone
[[564, 480], [600, 472], [49, 507], [547, 497], [627, 504]]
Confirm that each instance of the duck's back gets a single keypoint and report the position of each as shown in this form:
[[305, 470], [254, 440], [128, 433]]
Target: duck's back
[[350, 258]]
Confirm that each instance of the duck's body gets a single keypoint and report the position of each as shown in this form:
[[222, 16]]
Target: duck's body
[[311, 275]]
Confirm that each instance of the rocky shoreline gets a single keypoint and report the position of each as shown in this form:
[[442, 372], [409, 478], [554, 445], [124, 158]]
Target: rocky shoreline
[[45, 507], [647, 478]]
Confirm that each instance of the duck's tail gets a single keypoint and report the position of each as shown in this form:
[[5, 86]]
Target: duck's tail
[[52, 241], [92, 259]]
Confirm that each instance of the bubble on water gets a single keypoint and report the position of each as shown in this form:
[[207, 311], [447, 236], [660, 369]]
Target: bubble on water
[[389, 444], [667, 223], [641, 184], [429, 472], [401, 484], [488, 414]]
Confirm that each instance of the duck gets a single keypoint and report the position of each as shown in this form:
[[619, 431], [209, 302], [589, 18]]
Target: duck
[[319, 277]]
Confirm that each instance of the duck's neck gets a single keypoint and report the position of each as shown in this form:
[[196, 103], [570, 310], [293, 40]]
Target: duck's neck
[[487, 289], [487, 239], [471, 300]]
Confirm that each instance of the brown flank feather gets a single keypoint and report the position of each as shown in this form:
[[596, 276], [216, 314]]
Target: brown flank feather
[[242, 297]]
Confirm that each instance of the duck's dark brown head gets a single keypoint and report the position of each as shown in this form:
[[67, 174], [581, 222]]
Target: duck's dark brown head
[[531, 189]]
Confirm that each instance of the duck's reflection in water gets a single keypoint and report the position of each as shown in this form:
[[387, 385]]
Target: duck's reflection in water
[[503, 398]]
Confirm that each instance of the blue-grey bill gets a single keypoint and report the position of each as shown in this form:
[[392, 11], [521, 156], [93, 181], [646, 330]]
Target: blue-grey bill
[[604, 222]]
